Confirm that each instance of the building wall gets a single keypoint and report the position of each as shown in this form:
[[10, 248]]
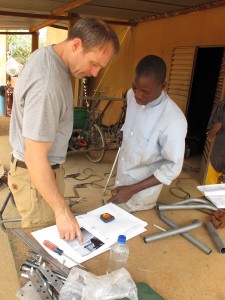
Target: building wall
[[203, 28], [112, 80], [54, 36], [159, 37], [2, 59], [200, 29]]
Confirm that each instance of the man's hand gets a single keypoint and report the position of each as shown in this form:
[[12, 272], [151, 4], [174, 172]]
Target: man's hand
[[68, 226], [121, 194], [211, 134]]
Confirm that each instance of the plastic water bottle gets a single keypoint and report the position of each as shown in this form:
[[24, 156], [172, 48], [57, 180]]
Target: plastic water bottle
[[119, 253]]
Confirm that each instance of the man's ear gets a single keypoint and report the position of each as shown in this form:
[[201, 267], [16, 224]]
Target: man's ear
[[163, 85], [76, 44]]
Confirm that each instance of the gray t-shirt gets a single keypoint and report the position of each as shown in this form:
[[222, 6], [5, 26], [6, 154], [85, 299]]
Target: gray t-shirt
[[43, 105]]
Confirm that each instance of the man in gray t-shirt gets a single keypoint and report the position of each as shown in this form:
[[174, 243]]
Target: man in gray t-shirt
[[42, 121]]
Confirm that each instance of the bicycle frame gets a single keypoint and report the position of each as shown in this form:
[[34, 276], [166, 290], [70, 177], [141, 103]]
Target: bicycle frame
[[90, 138]]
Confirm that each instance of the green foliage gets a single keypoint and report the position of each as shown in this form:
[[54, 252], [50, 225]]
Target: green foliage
[[19, 47]]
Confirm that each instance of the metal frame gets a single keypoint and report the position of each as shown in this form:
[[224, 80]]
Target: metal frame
[[9, 220], [204, 204]]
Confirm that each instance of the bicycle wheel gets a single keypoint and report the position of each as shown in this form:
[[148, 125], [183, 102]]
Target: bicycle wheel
[[96, 143]]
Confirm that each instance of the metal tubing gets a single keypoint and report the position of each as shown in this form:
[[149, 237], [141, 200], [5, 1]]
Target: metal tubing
[[157, 236], [41, 251], [11, 220], [5, 203], [24, 275], [186, 235], [197, 200], [186, 206], [2, 220], [217, 240], [110, 175]]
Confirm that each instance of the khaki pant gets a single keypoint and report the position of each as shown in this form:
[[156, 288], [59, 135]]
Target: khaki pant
[[32, 208], [1, 170]]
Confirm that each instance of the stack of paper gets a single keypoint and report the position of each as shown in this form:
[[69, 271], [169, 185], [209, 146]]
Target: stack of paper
[[215, 193], [97, 235]]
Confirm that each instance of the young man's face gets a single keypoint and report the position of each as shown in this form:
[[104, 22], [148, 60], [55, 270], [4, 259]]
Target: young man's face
[[88, 63], [146, 89]]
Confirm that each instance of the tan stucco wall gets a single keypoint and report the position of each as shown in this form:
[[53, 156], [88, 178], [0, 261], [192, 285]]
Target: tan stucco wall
[[54, 36], [200, 29], [159, 37], [2, 59], [111, 80], [204, 28]]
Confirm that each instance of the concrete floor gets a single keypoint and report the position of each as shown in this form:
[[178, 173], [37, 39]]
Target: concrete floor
[[188, 180]]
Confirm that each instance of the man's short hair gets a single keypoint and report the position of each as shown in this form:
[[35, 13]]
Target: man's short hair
[[152, 65], [93, 33]]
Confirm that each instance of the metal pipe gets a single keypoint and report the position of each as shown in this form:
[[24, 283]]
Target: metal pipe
[[217, 240], [157, 236], [186, 235], [11, 220], [5, 202], [24, 275], [197, 200], [110, 175], [186, 206]]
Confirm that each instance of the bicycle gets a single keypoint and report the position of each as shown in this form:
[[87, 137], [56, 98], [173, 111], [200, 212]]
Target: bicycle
[[87, 136], [89, 133], [109, 115]]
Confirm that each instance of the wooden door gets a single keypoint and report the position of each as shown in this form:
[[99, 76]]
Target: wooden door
[[180, 77]]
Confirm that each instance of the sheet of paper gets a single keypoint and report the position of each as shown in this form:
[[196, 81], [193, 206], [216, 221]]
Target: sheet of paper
[[215, 193], [98, 236], [123, 222]]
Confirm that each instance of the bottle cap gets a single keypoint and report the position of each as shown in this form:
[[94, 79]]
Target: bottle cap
[[121, 239]]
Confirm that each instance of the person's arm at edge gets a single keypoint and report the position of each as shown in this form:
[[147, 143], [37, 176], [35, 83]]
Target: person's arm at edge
[[36, 159], [211, 134]]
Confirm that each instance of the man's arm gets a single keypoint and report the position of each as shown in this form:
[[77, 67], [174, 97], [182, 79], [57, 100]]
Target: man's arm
[[123, 193], [36, 159], [211, 134]]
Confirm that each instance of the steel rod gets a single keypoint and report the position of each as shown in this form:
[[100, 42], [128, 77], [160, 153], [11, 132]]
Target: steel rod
[[110, 175], [217, 240], [186, 235], [186, 206], [197, 200], [11, 220], [157, 236], [5, 202], [41, 251]]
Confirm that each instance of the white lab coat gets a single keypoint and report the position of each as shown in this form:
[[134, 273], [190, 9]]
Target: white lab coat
[[153, 144]]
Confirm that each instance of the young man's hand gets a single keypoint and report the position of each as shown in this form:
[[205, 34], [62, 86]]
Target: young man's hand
[[121, 194]]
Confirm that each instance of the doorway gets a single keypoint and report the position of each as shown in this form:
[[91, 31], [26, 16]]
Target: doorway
[[202, 94]]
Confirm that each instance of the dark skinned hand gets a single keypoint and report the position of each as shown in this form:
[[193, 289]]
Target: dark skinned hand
[[121, 194]]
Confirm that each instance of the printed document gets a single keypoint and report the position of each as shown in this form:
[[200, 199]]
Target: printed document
[[98, 236]]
